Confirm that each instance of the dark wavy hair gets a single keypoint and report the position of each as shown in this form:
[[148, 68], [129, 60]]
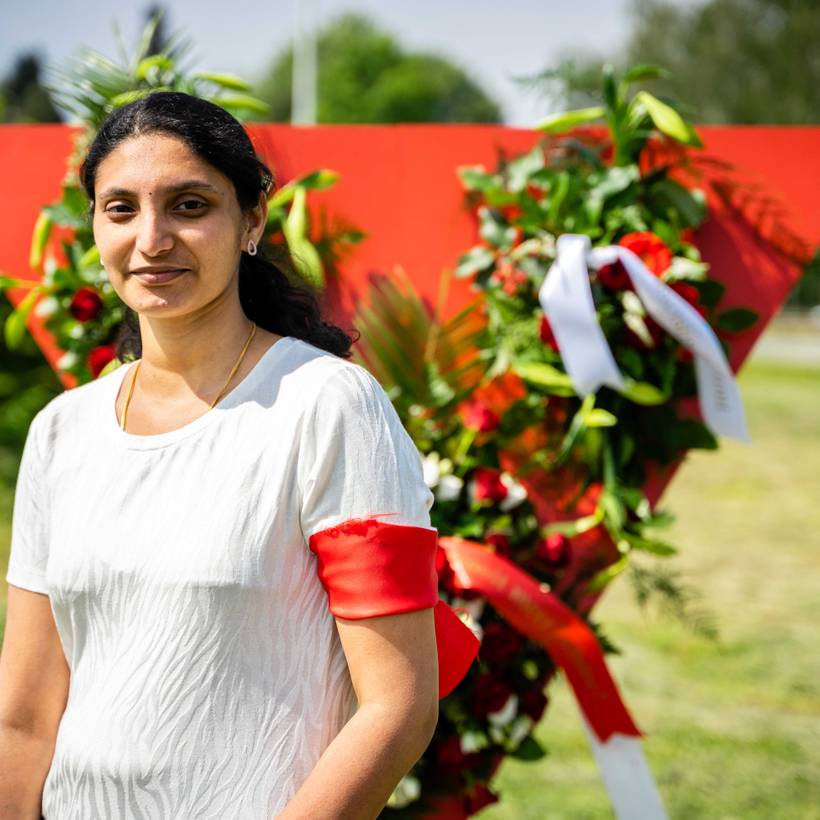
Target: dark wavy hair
[[267, 295]]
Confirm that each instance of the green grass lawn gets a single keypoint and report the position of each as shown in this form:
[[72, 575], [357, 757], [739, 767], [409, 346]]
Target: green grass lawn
[[733, 729]]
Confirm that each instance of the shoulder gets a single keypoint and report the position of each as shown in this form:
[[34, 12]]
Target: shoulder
[[330, 385], [67, 412]]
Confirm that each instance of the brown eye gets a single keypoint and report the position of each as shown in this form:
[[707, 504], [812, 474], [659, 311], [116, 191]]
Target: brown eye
[[193, 202]]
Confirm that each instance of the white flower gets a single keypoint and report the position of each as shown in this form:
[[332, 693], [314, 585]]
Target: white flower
[[449, 488], [77, 330], [497, 734], [473, 741], [431, 469], [68, 360], [506, 713], [515, 492], [519, 729], [46, 306], [407, 791]]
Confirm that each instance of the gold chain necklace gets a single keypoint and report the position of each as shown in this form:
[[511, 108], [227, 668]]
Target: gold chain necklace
[[219, 396]]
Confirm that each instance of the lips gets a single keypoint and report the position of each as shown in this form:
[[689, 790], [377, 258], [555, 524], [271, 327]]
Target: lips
[[158, 276]]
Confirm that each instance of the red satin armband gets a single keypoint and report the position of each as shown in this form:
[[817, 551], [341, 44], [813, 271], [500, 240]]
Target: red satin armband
[[369, 568]]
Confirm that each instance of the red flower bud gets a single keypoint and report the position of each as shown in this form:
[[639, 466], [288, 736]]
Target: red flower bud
[[499, 644], [532, 703], [99, 357], [489, 694], [555, 550], [477, 416], [85, 304], [614, 276], [488, 485]]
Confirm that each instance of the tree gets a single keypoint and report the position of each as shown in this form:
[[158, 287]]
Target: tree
[[25, 99], [365, 76], [731, 61]]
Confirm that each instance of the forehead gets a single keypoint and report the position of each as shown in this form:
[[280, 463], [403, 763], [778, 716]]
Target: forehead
[[152, 162]]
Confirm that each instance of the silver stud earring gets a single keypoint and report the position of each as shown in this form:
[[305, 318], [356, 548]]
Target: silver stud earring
[[251, 248]]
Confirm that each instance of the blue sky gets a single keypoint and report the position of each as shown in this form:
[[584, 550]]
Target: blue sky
[[493, 41]]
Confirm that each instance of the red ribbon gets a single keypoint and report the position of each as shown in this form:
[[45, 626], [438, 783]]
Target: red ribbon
[[534, 611], [369, 568]]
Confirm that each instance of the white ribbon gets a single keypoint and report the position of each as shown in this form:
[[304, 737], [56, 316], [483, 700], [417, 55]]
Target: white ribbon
[[627, 777], [566, 298]]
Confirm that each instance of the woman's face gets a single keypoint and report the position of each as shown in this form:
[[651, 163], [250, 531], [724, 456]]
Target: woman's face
[[158, 205]]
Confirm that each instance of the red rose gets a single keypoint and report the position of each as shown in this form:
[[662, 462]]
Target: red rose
[[555, 550], [478, 798], [614, 276], [500, 540], [449, 754], [488, 485], [652, 250], [99, 357], [499, 644], [546, 334], [532, 703], [489, 694], [85, 304], [477, 416], [691, 294]]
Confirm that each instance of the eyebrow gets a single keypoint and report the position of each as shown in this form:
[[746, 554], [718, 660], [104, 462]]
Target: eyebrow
[[187, 185]]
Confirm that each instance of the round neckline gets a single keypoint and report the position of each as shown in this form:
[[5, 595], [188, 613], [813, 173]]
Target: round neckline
[[231, 399]]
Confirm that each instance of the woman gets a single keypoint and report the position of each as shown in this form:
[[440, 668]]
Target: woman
[[222, 598]]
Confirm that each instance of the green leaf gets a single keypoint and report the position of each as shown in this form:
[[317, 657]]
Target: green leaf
[[225, 80], [711, 292], [652, 545], [559, 123], [160, 62], [736, 320], [14, 329], [644, 393], [522, 168], [607, 575], [643, 71], [529, 749], [476, 178], [475, 260], [691, 207], [575, 527], [39, 239], [598, 417], [545, 375], [317, 180], [668, 120], [243, 102]]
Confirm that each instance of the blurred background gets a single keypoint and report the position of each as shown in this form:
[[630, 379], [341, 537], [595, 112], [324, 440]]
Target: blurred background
[[733, 726]]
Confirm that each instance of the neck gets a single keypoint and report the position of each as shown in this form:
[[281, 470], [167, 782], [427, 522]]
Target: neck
[[196, 352]]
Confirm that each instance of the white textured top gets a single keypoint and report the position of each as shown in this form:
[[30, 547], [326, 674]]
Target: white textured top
[[207, 674]]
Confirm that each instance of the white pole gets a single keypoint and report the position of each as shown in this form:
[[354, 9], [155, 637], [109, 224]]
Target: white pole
[[303, 87]]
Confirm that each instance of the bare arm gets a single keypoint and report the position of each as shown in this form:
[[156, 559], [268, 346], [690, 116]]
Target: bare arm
[[34, 679], [394, 668]]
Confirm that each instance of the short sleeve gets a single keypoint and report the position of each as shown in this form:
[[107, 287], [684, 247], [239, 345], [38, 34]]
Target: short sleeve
[[29, 523], [356, 460], [365, 514]]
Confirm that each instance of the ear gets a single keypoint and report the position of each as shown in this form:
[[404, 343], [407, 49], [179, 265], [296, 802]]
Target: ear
[[256, 220]]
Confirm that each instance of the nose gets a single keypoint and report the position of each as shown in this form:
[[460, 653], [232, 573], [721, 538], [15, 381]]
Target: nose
[[154, 236]]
